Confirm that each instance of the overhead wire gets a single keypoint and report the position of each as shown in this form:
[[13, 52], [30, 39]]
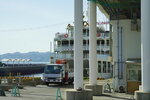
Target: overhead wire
[[32, 28]]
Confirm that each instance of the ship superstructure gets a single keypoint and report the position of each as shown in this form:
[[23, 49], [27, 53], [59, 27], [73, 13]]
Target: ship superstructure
[[64, 49]]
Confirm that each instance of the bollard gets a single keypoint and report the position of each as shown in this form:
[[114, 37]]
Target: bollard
[[107, 88], [58, 95], [15, 91], [2, 93]]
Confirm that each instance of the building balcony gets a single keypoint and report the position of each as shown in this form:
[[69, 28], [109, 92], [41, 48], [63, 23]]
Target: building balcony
[[64, 36], [85, 47], [64, 56], [63, 48], [103, 57]]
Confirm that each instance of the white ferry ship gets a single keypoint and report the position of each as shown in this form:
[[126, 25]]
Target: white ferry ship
[[63, 49]]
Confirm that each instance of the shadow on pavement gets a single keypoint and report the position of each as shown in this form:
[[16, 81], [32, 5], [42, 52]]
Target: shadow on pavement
[[106, 95], [60, 86]]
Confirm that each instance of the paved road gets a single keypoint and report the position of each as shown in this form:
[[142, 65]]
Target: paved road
[[42, 92]]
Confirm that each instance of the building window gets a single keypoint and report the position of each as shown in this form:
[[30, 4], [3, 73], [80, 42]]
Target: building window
[[133, 75]]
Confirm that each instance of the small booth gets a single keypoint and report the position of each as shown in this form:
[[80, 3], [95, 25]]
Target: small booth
[[133, 74]]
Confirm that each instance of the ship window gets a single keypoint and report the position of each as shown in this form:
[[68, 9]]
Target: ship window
[[58, 43], [99, 66], [139, 75], [107, 52], [98, 42], [102, 52], [84, 42], [65, 43], [107, 42], [71, 42], [102, 42], [85, 32], [109, 69], [104, 67]]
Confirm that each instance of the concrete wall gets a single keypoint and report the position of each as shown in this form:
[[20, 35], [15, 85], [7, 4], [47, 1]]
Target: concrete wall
[[131, 40], [105, 75], [131, 43]]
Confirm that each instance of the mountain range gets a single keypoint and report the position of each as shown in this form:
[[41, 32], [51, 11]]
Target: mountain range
[[34, 56]]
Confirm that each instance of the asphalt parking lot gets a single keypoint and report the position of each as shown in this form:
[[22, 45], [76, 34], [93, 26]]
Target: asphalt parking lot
[[43, 92]]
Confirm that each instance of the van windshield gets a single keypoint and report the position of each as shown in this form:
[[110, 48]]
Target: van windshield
[[52, 69]]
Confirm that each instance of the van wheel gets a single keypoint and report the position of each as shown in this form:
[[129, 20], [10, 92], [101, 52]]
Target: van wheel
[[47, 83], [62, 83], [71, 81]]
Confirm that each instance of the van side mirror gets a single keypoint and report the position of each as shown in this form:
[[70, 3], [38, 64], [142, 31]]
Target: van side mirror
[[62, 70]]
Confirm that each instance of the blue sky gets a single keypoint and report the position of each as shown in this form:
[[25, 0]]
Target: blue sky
[[20, 19]]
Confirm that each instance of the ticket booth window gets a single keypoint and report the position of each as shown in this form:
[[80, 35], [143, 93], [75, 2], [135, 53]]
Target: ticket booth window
[[139, 75], [133, 75]]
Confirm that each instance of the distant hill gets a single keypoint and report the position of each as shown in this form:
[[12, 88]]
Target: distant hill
[[35, 56]]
